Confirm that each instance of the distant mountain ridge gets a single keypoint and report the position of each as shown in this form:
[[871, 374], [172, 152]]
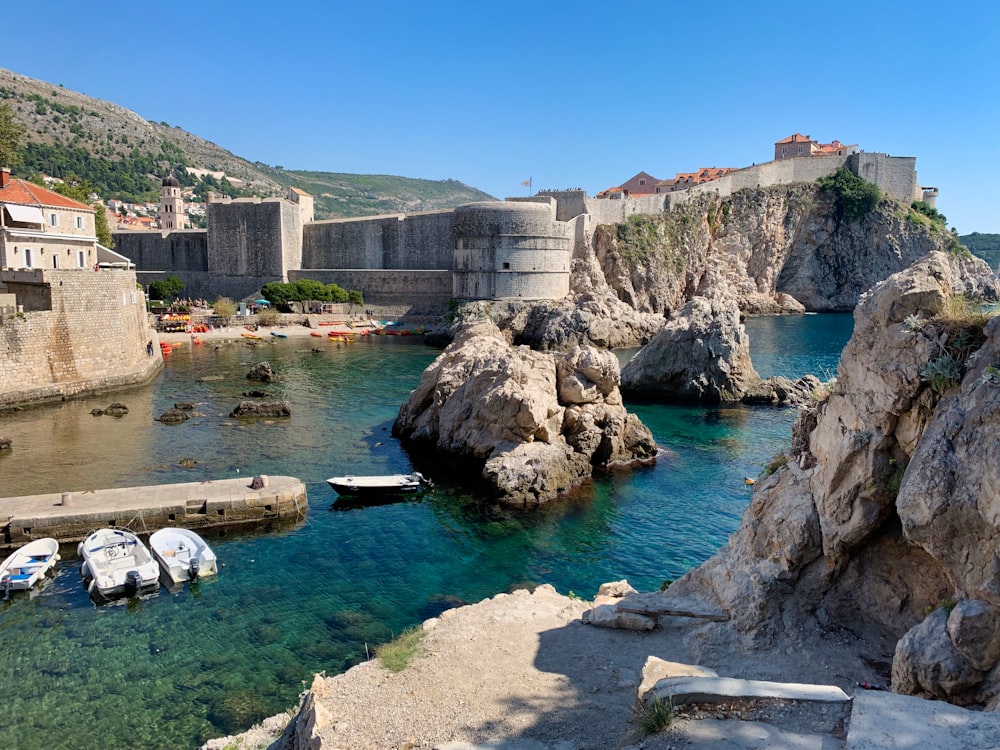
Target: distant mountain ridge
[[124, 156]]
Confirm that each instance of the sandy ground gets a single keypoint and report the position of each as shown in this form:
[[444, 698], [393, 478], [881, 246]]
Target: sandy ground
[[522, 671], [229, 333]]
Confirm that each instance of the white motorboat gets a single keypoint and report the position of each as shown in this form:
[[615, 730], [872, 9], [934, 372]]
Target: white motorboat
[[116, 562], [28, 564], [183, 555], [378, 485]]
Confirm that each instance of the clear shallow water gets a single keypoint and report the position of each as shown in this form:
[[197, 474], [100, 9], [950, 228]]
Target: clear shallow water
[[175, 669]]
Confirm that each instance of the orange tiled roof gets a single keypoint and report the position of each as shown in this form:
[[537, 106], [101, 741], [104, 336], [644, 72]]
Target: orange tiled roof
[[27, 194], [795, 138]]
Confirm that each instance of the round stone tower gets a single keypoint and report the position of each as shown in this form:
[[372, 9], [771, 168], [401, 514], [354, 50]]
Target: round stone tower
[[510, 250], [171, 214]]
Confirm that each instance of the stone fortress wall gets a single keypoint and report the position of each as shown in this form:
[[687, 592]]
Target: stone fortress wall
[[59, 346], [519, 248]]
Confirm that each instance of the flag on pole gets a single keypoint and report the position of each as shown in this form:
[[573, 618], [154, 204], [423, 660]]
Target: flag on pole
[[526, 183]]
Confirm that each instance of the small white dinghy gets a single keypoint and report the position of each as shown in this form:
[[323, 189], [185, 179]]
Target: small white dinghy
[[183, 555], [116, 562], [27, 565], [388, 484]]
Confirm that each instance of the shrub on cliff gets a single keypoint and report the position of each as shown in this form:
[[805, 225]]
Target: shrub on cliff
[[856, 197]]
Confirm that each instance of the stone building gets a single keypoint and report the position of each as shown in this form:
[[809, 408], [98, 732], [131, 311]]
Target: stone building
[[797, 145], [43, 229], [171, 211]]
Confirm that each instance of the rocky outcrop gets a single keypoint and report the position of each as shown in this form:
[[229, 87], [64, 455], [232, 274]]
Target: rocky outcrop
[[776, 249], [265, 409], [888, 503], [703, 354], [537, 423], [262, 372]]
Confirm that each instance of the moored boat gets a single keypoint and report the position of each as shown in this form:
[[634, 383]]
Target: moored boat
[[28, 564], [183, 555], [116, 562], [378, 485], [279, 335]]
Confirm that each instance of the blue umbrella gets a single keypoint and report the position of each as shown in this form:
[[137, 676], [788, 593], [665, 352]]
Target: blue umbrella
[[261, 302]]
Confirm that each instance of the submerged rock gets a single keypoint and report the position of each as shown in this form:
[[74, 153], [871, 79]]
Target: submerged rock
[[262, 372], [262, 409], [173, 416]]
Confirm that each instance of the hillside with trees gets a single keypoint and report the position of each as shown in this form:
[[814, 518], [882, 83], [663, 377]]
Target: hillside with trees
[[125, 156], [986, 246]]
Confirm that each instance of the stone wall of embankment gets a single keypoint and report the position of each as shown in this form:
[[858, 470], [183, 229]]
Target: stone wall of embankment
[[93, 335]]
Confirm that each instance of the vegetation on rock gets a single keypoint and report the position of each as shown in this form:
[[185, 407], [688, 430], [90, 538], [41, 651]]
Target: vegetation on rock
[[856, 197], [399, 652]]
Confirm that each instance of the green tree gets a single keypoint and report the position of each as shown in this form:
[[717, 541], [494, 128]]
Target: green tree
[[224, 308], [856, 197], [277, 293], [168, 288], [11, 137], [355, 297]]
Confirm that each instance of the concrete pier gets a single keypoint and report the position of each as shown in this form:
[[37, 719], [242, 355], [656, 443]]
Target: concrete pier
[[221, 503]]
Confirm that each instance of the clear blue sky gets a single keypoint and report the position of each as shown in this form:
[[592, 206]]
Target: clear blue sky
[[570, 94]]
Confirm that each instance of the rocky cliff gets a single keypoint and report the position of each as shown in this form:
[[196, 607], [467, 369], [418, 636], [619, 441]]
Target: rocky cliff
[[779, 249], [887, 506], [534, 423]]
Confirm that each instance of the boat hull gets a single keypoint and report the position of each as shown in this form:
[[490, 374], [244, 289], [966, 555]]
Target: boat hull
[[117, 563], [28, 564], [177, 549], [391, 484]]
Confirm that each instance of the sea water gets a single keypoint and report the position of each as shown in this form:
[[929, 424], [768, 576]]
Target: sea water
[[174, 669]]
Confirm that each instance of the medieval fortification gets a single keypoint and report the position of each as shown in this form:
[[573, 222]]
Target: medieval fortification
[[514, 249]]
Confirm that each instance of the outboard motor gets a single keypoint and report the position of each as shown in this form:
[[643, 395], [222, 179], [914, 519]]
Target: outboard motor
[[132, 582], [194, 568]]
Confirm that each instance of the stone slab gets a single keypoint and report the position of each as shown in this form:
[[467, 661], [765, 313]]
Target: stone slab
[[658, 604], [682, 690], [715, 734], [887, 721]]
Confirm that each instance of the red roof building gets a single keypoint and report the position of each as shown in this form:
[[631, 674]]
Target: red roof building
[[43, 229], [802, 145]]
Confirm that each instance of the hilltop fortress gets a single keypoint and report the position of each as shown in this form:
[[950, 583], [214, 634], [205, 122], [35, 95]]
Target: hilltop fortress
[[519, 249]]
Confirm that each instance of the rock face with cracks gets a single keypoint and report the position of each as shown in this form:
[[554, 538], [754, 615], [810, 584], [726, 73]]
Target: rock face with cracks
[[887, 507], [537, 423]]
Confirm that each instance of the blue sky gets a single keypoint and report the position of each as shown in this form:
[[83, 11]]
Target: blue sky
[[574, 94]]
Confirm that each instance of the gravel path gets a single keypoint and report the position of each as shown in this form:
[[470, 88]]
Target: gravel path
[[524, 669]]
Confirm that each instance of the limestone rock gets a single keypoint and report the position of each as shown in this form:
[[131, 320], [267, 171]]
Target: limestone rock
[[926, 662], [5, 443], [249, 409], [262, 372], [656, 669], [702, 354], [537, 423], [781, 391], [974, 629], [609, 616], [173, 416], [616, 589]]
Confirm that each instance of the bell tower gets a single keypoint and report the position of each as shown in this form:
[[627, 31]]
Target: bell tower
[[171, 213]]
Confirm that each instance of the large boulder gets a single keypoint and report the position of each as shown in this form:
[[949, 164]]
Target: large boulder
[[262, 372], [254, 409], [536, 423], [702, 354], [888, 503]]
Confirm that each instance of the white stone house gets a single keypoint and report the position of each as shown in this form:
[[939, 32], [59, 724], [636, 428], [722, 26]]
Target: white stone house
[[41, 229]]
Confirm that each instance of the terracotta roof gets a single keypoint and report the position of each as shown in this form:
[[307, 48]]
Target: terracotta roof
[[28, 194], [299, 192], [795, 138]]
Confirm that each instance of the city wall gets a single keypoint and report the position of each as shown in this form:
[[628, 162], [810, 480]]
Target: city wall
[[61, 346], [252, 242], [396, 241]]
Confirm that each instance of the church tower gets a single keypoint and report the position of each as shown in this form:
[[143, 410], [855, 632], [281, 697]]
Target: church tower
[[172, 214]]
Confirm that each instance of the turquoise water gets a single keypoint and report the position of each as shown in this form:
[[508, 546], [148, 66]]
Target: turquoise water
[[174, 669]]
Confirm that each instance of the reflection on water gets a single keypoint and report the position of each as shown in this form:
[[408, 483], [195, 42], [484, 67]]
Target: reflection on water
[[207, 660]]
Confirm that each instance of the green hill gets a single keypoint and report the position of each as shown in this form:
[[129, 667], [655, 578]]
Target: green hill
[[986, 246], [125, 156]]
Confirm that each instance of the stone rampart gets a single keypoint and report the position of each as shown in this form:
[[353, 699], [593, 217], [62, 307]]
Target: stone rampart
[[250, 237], [421, 292], [395, 241], [67, 350], [169, 252]]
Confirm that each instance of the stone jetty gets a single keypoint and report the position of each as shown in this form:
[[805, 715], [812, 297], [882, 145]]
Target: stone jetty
[[220, 503]]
